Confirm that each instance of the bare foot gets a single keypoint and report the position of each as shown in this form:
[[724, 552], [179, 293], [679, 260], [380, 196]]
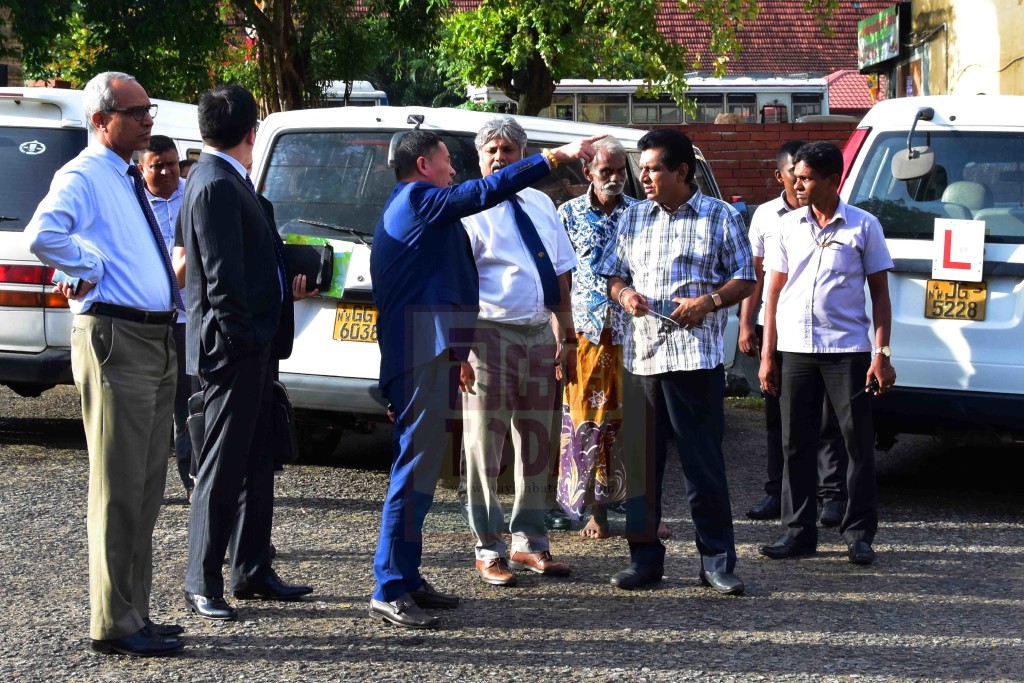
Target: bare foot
[[594, 530], [663, 531]]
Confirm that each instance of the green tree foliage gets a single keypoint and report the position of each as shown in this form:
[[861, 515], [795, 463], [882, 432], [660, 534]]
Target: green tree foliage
[[523, 47], [75, 39]]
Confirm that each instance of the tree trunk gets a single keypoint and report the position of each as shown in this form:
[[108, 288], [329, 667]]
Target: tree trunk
[[537, 88]]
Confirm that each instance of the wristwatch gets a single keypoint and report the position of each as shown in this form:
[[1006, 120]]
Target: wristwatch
[[883, 350], [716, 300]]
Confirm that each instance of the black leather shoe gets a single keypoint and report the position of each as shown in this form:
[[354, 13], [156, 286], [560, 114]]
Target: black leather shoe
[[428, 598], [165, 630], [138, 644], [787, 547], [769, 507], [860, 552], [402, 612], [637, 576], [210, 608], [725, 583], [555, 520], [271, 588], [831, 513]]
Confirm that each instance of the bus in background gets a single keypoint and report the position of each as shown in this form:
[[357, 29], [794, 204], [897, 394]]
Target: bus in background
[[363, 95], [754, 100]]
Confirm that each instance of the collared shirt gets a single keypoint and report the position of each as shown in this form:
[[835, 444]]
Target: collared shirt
[[91, 225], [822, 305], [591, 230], [764, 230], [510, 287], [166, 212], [688, 253]]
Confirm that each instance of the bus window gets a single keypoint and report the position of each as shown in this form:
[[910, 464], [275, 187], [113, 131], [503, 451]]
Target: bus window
[[774, 113], [604, 109], [707, 108], [805, 104], [561, 107], [742, 104], [656, 110]]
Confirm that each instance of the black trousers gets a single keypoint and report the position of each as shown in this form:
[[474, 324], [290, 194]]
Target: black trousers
[[807, 378], [689, 407], [233, 499], [831, 450]]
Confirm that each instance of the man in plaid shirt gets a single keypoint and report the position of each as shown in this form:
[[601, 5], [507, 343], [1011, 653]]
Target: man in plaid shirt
[[681, 259]]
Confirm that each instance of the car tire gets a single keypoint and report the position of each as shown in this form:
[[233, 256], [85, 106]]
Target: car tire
[[317, 442]]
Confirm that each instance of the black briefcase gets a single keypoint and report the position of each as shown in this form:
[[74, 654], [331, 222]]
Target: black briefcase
[[315, 261], [282, 427], [196, 426]]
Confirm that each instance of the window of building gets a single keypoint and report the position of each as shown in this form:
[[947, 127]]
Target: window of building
[[806, 104], [604, 108], [561, 107], [743, 104], [656, 110], [774, 113], [707, 108]]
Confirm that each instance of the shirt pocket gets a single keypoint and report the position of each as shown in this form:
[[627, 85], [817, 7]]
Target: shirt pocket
[[840, 258]]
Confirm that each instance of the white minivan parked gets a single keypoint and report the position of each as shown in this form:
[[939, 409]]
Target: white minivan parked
[[957, 343], [41, 129], [329, 167]]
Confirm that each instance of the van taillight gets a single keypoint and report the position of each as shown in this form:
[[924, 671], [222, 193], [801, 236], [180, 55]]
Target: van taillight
[[850, 149], [25, 275]]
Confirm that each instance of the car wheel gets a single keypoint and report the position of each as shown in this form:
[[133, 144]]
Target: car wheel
[[317, 442]]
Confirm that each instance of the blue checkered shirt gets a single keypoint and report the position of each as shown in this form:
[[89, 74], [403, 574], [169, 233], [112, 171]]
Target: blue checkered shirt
[[688, 253], [591, 230]]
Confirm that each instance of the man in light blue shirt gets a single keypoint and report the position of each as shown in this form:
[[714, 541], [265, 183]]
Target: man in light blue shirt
[[95, 224], [164, 190]]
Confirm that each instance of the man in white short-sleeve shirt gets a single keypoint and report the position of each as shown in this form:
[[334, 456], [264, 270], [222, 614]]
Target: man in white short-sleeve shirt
[[524, 259], [816, 318]]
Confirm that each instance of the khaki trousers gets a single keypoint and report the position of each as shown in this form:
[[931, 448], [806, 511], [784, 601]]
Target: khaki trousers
[[126, 374], [516, 391]]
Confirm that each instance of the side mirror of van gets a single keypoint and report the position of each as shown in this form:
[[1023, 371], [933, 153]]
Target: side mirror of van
[[916, 161], [417, 121]]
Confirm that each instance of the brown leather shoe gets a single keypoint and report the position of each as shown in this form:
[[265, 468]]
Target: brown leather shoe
[[540, 563], [496, 572]]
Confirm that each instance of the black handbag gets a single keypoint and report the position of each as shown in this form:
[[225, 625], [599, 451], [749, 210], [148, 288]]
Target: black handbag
[[315, 261], [282, 427], [196, 426]]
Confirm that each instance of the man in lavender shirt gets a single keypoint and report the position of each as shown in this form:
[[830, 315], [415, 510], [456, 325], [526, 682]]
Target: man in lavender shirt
[[816, 318]]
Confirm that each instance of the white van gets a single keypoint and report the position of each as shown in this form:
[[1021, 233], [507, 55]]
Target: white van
[[41, 129], [330, 166], [958, 347]]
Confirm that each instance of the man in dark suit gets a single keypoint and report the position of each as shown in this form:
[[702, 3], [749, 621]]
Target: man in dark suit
[[426, 289], [239, 305]]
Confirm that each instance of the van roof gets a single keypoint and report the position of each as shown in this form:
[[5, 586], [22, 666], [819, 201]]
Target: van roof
[[174, 119], [447, 119], [951, 111]]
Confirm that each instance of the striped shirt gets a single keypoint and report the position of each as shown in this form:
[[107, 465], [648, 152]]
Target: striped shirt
[[688, 253]]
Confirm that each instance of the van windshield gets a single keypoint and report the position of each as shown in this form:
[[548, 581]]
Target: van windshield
[[29, 157], [977, 175], [342, 179]]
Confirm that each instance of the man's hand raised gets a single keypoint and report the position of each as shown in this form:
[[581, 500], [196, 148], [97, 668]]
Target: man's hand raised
[[581, 149]]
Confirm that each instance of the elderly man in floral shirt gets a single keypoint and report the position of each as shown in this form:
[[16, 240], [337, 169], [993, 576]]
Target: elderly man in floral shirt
[[590, 469]]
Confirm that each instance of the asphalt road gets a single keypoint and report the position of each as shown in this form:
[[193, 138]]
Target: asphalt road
[[944, 601]]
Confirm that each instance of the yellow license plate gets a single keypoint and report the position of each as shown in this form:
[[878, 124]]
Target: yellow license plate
[[355, 323], [955, 300]]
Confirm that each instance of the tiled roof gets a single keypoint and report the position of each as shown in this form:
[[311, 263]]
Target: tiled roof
[[783, 40], [848, 91]]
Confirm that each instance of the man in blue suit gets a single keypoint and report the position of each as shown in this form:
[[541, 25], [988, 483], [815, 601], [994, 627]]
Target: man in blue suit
[[426, 291]]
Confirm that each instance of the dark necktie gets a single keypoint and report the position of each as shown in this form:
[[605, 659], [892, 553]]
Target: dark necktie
[[154, 227], [548, 279], [278, 252]]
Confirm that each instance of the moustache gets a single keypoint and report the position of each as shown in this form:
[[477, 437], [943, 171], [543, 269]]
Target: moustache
[[613, 188], [498, 165]]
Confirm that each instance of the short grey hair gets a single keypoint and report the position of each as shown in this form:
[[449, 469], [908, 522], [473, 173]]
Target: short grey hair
[[98, 94], [611, 146], [504, 127]]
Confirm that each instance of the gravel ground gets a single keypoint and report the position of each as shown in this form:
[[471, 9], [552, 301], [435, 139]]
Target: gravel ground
[[942, 603]]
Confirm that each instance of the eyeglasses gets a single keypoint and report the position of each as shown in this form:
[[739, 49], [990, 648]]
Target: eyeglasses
[[138, 113]]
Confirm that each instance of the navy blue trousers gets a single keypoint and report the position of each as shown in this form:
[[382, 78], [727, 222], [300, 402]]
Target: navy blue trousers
[[427, 407], [689, 407]]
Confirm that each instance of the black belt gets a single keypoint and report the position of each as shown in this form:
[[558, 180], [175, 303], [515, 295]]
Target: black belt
[[135, 315]]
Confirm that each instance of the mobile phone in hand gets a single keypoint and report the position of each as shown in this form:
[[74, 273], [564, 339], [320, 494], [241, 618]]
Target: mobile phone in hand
[[59, 277]]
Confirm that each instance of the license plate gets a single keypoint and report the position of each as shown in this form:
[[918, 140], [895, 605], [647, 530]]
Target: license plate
[[355, 323], [955, 300]]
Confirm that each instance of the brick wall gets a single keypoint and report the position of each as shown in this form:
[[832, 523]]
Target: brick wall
[[742, 156]]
